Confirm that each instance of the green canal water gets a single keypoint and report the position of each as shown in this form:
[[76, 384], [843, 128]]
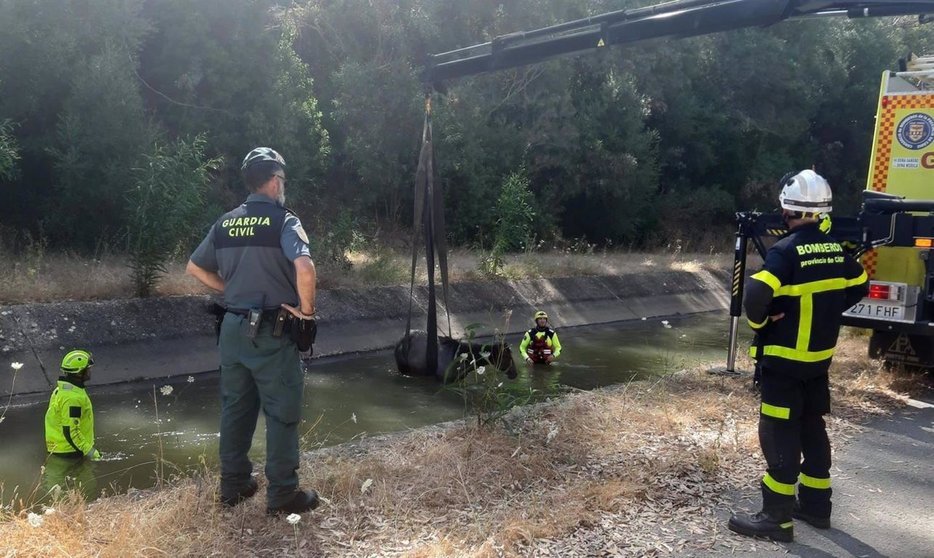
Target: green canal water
[[345, 398]]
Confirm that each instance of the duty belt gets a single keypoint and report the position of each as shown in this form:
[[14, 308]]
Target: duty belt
[[268, 316]]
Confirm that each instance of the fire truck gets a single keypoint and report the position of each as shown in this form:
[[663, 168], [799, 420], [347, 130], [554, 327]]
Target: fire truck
[[900, 307]]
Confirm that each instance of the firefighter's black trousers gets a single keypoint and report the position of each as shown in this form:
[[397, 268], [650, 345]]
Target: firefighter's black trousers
[[791, 424]]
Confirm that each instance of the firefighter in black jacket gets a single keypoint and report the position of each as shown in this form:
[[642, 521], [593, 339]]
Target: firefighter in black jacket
[[794, 305]]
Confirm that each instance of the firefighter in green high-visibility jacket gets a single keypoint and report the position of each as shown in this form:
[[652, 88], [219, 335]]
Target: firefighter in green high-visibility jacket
[[540, 345], [69, 421]]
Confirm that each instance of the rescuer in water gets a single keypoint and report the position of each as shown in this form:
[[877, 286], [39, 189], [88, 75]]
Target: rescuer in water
[[540, 344], [69, 429], [69, 421], [795, 304]]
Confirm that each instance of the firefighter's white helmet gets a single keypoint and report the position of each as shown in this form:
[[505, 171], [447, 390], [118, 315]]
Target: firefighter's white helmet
[[807, 192]]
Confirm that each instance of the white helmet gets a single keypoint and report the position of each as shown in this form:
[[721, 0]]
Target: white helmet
[[260, 155], [807, 192]]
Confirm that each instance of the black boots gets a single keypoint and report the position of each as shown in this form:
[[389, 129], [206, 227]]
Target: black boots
[[302, 501], [246, 492], [816, 521], [776, 524], [766, 524]]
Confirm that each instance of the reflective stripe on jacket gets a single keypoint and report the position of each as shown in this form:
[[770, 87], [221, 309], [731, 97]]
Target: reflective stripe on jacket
[[539, 343], [809, 278], [69, 421]]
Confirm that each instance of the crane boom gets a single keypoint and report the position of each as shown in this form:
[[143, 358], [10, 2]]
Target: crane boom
[[677, 19]]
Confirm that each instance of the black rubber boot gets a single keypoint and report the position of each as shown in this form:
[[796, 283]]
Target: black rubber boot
[[302, 501], [764, 524], [816, 521], [247, 492]]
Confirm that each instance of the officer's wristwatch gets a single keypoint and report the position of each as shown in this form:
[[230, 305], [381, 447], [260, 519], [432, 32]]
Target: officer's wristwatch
[[305, 316]]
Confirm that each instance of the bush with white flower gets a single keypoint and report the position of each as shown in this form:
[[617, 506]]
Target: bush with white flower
[[294, 519], [485, 395], [16, 366]]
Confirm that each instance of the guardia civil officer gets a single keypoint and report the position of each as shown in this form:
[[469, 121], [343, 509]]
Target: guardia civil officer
[[794, 305], [258, 256]]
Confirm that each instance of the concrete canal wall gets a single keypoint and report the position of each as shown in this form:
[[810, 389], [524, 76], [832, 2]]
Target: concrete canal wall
[[140, 339]]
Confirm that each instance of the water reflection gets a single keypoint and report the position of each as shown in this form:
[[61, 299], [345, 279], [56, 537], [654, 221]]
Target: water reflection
[[545, 379], [66, 473]]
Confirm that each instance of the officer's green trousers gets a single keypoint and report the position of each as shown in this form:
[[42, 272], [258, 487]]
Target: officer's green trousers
[[266, 373]]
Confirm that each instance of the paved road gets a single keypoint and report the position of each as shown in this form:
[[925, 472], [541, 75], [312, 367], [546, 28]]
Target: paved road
[[883, 493]]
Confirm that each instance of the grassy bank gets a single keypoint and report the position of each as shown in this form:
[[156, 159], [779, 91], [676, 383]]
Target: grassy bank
[[43, 277], [639, 470]]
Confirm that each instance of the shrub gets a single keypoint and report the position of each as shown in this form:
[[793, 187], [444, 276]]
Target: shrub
[[166, 198], [514, 213], [487, 395]]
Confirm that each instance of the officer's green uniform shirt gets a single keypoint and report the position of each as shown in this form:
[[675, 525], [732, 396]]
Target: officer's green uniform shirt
[[69, 421], [255, 245]]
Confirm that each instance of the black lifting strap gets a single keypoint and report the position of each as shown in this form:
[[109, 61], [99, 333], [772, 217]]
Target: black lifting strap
[[428, 215]]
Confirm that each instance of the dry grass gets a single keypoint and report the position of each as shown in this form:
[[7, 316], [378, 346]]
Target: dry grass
[[42, 277], [53, 277], [637, 470], [465, 265]]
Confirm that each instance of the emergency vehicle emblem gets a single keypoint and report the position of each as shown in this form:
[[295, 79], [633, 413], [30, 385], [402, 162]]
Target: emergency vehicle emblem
[[916, 131]]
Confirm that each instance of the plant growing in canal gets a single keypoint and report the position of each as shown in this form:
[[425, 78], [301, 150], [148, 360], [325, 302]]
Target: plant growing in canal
[[485, 392], [15, 366]]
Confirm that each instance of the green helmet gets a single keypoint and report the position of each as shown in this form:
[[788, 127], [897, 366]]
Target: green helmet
[[261, 154], [540, 314], [76, 362]]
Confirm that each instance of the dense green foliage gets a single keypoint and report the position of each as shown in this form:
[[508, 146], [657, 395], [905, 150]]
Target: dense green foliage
[[165, 202], [633, 146]]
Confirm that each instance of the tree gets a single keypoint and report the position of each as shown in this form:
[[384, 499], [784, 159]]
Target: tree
[[9, 153], [617, 146], [228, 69], [69, 84], [102, 131]]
